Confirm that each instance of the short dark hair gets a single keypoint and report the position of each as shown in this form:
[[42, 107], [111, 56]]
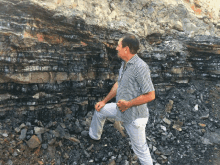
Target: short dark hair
[[132, 42]]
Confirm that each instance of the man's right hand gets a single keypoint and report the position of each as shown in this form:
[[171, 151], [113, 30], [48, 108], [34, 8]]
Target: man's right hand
[[99, 105]]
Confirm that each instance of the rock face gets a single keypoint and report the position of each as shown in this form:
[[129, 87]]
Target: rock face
[[50, 61], [58, 58], [140, 16]]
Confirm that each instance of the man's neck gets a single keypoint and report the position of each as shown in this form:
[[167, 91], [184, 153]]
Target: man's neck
[[129, 56]]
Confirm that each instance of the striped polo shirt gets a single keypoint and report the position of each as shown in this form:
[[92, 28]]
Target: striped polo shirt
[[134, 80]]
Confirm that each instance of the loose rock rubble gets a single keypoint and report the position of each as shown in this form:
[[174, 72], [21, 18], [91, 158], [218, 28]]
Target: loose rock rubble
[[181, 135]]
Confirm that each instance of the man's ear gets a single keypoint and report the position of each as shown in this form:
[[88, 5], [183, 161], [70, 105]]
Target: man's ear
[[127, 49]]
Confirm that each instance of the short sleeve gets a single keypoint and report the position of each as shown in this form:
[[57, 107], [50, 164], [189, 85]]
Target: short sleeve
[[144, 79]]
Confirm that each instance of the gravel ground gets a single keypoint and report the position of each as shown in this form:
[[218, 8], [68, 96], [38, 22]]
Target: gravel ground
[[184, 136]]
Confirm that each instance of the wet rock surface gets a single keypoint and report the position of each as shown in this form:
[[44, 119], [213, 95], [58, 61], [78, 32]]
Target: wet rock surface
[[54, 68]]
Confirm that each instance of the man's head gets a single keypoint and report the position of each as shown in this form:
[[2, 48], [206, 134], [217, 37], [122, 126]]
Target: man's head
[[127, 47], [132, 42]]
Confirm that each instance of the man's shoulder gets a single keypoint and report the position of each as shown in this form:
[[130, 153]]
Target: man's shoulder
[[140, 62]]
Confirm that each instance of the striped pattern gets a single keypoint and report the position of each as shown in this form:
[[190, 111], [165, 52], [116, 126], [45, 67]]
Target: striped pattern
[[133, 81]]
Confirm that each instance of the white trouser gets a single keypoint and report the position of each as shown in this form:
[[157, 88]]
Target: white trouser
[[135, 130]]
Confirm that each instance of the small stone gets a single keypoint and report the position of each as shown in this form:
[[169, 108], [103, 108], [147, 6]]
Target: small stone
[[9, 162], [86, 153], [104, 159], [39, 137], [163, 128], [112, 162], [40, 162], [50, 124], [169, 135], [119, 160], [178, 25], [15, 154], [194, 122], [63, 125], [66, 156], [40, 130], [205, 116], [167, 121], [84, 133], [5, 134], [52, 141], [126, 162], [124, 157], [74, 139], [206, 141], [89, 148], [62, 133], [34, 142], [28, 124], [11, 150], [17, 130], [23, 134], [135, 157], [183, 81], [157, 152], [60, 144], [22, 126], [169, 106], [110, 154], [13, 143], [91, 161], [177, 127], [164, 157], [202, 125], [55, 133], [44, 146], [196, 108], [203, 130]]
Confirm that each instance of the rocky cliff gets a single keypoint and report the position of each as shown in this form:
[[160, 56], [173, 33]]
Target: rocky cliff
[[57, 58], [142, 17]]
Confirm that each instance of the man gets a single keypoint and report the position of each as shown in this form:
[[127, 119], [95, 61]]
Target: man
[[133, 90]]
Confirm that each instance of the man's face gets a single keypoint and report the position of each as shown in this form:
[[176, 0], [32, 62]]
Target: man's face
[[121, 51]]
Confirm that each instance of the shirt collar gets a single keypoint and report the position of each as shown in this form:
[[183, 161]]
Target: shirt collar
[[133, 59]]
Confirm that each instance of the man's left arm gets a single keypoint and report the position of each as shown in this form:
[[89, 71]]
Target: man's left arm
[[123, 105]]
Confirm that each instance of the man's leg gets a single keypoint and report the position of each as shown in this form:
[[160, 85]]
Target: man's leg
[[136, 132], [98, 120]]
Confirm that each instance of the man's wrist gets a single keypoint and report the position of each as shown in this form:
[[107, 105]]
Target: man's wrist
[[104, 101], [129, 104]]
